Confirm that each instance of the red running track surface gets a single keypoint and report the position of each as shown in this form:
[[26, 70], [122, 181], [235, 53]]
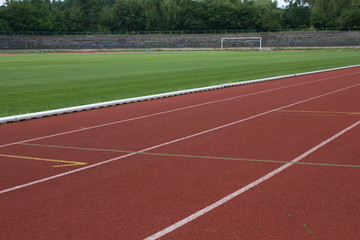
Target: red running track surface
[[210, 165]]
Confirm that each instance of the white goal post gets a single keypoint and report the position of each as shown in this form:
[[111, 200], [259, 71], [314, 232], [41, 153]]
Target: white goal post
[[242, 39]]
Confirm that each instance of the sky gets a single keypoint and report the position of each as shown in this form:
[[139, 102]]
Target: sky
[[281, 3]]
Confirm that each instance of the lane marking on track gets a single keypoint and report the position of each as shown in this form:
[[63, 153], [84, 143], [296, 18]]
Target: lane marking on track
[[171, 142], [244, 189], [175, 110], [320, 112], [191, 156], [66, 163]]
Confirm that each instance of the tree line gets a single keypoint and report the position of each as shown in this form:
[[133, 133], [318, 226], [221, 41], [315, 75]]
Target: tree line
[[163, 15]]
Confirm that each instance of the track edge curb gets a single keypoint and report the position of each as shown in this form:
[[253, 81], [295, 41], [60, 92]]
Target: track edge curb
[[152, 97]]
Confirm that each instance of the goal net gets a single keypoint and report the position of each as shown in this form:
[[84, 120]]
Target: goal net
[[232, 43]]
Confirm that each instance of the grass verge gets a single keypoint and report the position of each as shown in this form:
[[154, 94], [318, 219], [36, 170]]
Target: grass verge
[[38, 82]]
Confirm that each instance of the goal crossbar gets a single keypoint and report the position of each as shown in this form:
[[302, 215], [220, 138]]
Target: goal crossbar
[[241, 38]]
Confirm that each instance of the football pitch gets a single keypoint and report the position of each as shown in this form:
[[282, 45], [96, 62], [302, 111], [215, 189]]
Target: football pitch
[[39, 82]]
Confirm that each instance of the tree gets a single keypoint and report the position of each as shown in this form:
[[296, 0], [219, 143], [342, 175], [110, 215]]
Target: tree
[[137, 15], [90, 14], [270, 16], [107, 19], [3, 25], [296, 16], [333, 13], [165, 14], [40, 12], [195, 17], [128, 16], [27, 15], [318, 18], [349, 18], [57, 16]]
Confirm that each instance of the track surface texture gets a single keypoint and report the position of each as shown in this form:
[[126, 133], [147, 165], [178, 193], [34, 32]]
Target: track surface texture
[[274, 160]]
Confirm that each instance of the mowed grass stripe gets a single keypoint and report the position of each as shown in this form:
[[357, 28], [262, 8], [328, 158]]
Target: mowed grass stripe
[[38, 82]]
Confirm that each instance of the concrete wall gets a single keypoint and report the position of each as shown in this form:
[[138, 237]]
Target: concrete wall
[[176, 41]]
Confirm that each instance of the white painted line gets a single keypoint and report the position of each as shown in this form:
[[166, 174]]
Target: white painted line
[[173, 141], [174, 110], [244, 189], [151, 97]]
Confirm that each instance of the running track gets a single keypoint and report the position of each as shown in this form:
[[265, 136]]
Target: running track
[[274, 160]]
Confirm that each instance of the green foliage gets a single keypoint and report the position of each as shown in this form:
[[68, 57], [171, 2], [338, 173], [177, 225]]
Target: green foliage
[[349, 17], [128, 15], [296, 16], [319, 19], [4, 25], [334, 13], [269, 16], [106, 19], [27, 15], [195, 17], [153, 15]]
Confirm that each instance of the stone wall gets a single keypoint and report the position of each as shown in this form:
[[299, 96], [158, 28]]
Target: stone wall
[[177, 41]]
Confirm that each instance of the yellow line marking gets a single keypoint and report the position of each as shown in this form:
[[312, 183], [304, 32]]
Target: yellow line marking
[[193, 156], [320, 112], [67, 163]]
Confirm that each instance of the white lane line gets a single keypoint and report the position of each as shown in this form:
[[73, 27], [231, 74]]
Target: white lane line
[[173, 110], [173, 141], [244, 189]]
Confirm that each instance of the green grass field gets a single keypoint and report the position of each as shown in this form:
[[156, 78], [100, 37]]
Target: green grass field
[[38, 82]]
